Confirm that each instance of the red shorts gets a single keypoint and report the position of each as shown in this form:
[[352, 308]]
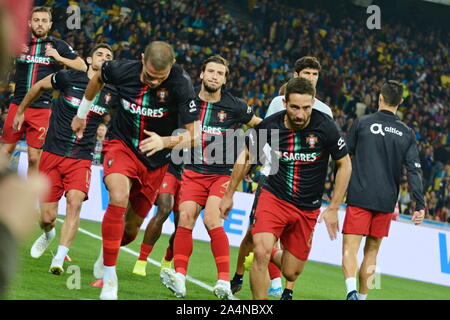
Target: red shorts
[[35, 126], [65, 174], [198, 187], [366, 222], [146, 182], [171, 185], [294, 227]]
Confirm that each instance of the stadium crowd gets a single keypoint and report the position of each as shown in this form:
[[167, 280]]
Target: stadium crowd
[[263, 48]]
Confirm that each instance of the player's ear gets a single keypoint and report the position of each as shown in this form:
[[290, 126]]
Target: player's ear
[[201, 75], [380, 99], [284, 101], [401, 101], [89, 60], [142, 57]]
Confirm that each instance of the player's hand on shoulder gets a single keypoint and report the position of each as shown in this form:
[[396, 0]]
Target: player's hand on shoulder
[[330, 216], [418, 216], [52, 52], [78, 126]]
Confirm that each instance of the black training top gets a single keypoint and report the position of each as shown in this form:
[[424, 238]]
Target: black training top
[[160, 110], [33, 65], [299, 158], [60, 138], [381, 144]]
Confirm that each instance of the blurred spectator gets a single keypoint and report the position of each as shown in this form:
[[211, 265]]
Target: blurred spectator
[[101, 134], [404, 197]]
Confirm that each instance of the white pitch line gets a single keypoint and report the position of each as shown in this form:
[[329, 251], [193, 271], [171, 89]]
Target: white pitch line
[[156, 263]]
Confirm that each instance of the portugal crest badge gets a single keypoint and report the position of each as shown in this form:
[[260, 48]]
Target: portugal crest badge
[[222, 115], [162, 95], [312, 140]]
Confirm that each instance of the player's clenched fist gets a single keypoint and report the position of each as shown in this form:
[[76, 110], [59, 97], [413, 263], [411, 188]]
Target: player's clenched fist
[[78, 126]]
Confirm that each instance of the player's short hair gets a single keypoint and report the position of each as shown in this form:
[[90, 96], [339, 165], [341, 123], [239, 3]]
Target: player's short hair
[[100, 46], [160, 54], [392, 92], [42, 9], [307, 62], [217, 59], [301, 86]]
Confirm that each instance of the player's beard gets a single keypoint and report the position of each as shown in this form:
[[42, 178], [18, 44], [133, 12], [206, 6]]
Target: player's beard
[[43, 34], [298, 125], [210, 89]]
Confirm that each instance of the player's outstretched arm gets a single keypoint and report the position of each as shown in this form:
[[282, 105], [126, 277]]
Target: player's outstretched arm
[[240, 169], [34, 93], [330, 215], [77, 63], [94, 86]]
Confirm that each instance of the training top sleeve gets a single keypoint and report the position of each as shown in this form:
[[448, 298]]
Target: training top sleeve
[[60, 80], [335, 143], [255, 140], [352, 137], [245, 112], [108, 74], [65, 50], [189, 112], [412, 164]]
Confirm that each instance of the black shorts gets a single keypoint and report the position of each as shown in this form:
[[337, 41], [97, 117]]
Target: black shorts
[[261, 183]]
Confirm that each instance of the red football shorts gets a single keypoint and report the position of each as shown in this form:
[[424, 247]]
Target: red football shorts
[[171, 185], [146, 182], [294, 227], [35, 126], [65, 174], [366, 222], [198, 187]]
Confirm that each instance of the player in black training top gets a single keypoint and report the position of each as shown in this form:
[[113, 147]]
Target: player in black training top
[[301, 139], [155, 96], [66, 160], [207, 173], [42, 55], [380, 145]]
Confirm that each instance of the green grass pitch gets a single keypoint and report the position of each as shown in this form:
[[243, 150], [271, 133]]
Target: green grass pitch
[[318, 281]]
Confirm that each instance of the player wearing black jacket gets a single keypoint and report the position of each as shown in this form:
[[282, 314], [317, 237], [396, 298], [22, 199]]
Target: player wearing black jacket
[[380, 145]]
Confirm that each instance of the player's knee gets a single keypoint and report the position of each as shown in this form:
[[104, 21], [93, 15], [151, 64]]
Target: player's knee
[[47, 220], [73, 206], [161, 217], [33, 160], [211, 222], [186, 220], [163, 211], [7, 150], [291, 274], [261, 253], [119, 197]]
